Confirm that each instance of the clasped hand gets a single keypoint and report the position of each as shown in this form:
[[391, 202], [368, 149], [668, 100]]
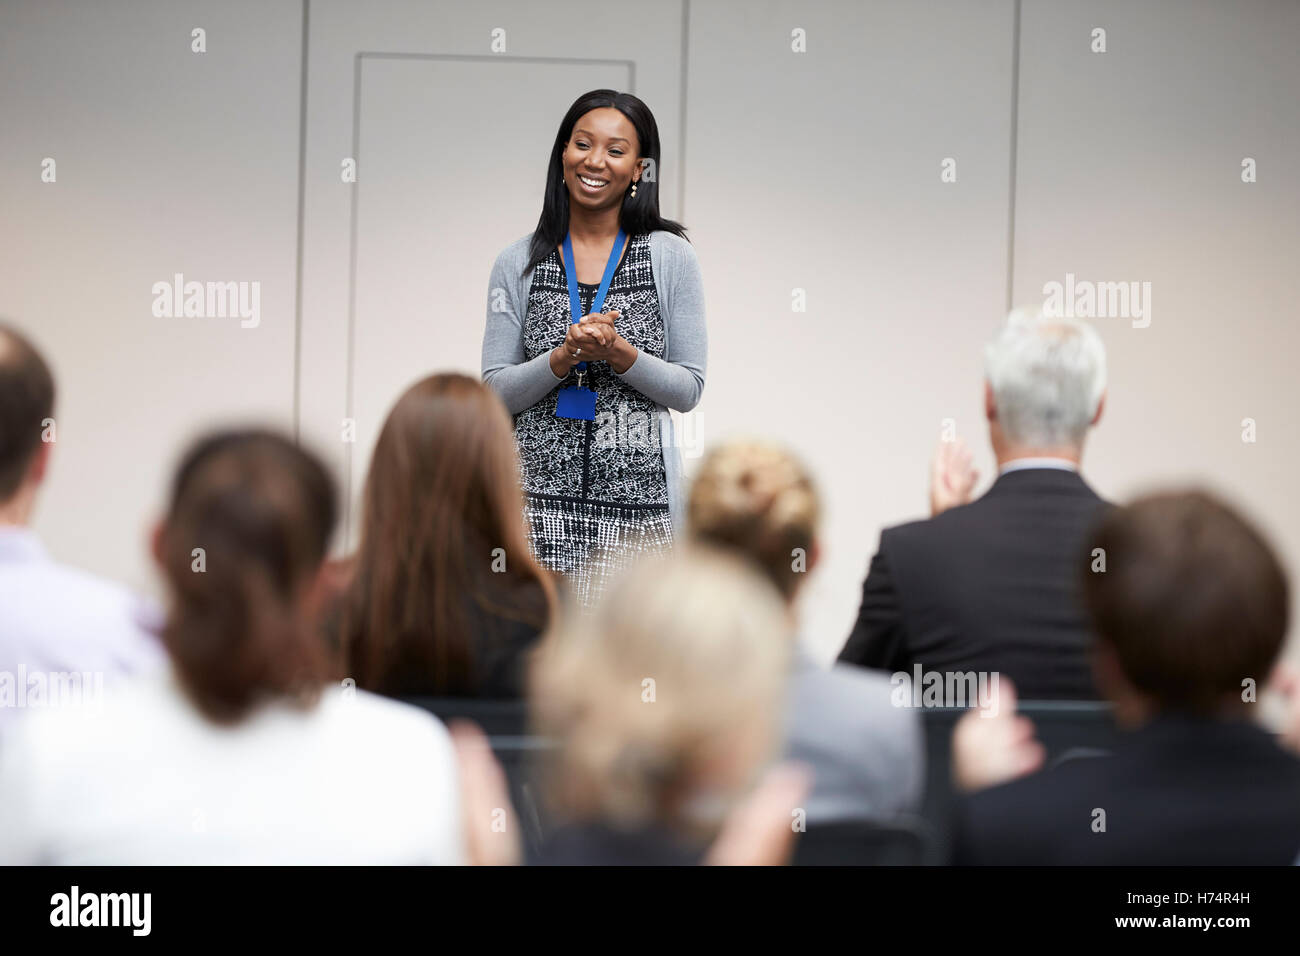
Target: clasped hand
[[594, 335]]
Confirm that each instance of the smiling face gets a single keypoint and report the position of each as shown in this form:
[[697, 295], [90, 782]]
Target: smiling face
[[601, 159]]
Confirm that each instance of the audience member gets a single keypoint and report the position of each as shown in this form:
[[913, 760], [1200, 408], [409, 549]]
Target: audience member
[[666, 705], [240, 734], [866, 754], [241, 752], [55, 621], [988, 586], [445, 598], [1190, 615]]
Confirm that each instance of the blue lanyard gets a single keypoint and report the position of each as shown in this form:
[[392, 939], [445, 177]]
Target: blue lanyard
[[571, 273]]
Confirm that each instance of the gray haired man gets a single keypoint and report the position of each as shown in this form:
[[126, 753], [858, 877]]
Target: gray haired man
[[990, 586]]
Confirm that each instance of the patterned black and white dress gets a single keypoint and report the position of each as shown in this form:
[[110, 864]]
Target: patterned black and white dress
[[596, 493]]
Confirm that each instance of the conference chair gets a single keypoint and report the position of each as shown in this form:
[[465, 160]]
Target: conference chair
[[506, 724], [901, 841], [504, 718], [1068, 730]]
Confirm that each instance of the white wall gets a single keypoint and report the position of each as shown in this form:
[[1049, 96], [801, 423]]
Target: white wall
[[1129, 167], [167, 161], [818, 171]]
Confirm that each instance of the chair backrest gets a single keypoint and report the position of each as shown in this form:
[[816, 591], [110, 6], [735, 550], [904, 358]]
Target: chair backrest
[[498, 718], [904, 841], [1068, 729], [521, 758], [519, 753]]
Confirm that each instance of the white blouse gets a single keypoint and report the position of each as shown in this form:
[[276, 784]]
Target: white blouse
[[140, 777]]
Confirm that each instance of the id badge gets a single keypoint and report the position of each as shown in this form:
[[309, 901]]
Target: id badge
[[576, 402]]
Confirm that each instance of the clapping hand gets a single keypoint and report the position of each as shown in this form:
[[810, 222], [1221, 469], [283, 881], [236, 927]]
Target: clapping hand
[[594, 338], [952, 477], [993, 744], [1286, 680], [760, 830], [484, 800]]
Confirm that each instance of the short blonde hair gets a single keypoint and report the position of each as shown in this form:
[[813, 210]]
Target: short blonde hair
[[760, 500], [668, 694]]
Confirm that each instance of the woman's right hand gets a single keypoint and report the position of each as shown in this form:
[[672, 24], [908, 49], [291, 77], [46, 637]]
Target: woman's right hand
[[594, 331], [589, 337]]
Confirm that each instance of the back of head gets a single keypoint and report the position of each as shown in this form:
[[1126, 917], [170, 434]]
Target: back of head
[[1192, 601], [666, 699], [759, 500], [26, 405], [1048, 375], [245, 533], [442, 531]]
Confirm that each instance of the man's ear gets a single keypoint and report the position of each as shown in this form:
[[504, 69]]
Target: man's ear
[[40, 463], [990, 404], [1107, 672], [1101, 405], [321, 587], [156, 543]]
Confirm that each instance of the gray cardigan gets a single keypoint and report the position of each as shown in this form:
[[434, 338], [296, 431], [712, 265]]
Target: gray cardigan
[[675, 381], [867, 756]]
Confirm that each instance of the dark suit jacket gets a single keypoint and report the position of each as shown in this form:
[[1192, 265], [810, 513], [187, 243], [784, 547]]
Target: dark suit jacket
[[988, 586], [1181, 791]]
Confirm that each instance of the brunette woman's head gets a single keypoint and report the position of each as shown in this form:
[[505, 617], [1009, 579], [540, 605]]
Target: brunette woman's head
[[247, 527], [443, 537], [615, 137]]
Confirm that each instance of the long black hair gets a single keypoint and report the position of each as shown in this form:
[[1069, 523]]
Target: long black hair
[[640, 213]]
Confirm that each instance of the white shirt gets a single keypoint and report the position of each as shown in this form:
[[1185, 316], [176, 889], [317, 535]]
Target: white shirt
[[56, 621], [142, 778], [1019, 464]]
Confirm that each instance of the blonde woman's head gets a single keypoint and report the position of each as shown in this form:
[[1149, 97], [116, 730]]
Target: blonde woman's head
[[666, 700], [758, 499]]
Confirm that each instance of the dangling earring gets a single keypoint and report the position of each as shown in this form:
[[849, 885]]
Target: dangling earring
[[633, 190]]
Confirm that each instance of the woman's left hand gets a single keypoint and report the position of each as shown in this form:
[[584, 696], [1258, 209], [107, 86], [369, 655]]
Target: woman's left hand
[[597, 337], [601, 343]]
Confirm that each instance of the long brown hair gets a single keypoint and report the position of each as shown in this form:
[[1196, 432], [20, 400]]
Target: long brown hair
[[246, 530], [442, 528]]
